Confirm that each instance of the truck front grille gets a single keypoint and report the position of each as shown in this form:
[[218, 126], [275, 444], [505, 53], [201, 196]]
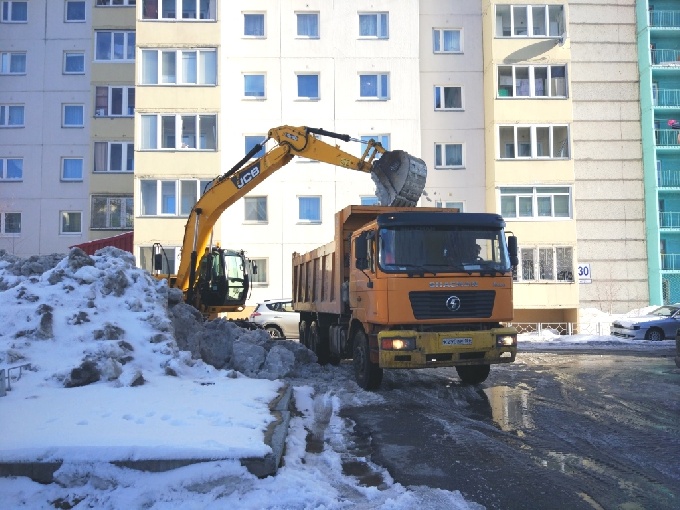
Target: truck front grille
[[452, 304]]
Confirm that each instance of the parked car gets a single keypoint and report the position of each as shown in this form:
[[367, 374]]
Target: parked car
[[660, 324], [677, 349], [277, 317]]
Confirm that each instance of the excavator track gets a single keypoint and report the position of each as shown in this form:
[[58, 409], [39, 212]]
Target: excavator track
[[399, 179]]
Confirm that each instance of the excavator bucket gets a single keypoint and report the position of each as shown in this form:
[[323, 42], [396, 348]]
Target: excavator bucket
[[399, 178]]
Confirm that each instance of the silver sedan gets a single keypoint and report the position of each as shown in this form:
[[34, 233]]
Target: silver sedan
[[660, 324]]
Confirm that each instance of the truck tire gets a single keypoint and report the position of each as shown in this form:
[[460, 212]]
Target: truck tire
[[473, 374], [368, 375], [317, 344]]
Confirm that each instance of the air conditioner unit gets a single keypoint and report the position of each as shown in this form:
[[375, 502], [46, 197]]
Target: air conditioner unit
[[100, 112]]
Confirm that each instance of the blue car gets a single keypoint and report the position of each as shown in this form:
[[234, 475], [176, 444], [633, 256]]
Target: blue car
[[660, 324]]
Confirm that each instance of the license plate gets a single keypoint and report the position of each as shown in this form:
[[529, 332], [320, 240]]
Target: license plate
[[457, 341]]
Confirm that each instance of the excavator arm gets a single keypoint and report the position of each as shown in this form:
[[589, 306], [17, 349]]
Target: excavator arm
[[399, 179]]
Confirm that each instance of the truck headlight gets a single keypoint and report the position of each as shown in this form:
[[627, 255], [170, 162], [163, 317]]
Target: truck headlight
[[506, 340], [398, 344]]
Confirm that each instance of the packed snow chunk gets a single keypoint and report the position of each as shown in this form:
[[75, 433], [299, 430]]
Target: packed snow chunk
[[280, 362], [248, 357]]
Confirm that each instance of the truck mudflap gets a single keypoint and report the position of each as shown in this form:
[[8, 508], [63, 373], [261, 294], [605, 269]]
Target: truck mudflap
[[412, 349]]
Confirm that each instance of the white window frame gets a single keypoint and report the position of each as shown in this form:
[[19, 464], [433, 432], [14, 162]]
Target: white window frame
[[63, 115], [438, 41], [7, 9], [258, 14], [440, 93], [115, 3], [71, 54], [440, 155], [251, 140], [3, 224], [129, 41], [125, 147], [450, 205], [264, 87], [545, 264], [382, 95], [318, 87], [67, 3], [5, 116], [297, 24], [255, 201], [383, 138], [178, 14], [170, 258], [62, 218], [556, 136], [174, 192], [126, 213], [380, 32], [557, 87], [6, 58], [127, 110], [179, 136], [531, 195], [316, 199], [369, 200], [62, 173], [157, 77], [517, 15], [261, 279], [4, 165]]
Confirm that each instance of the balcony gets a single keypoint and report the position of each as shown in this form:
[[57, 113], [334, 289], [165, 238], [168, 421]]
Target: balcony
[[664, 19], [667, 98], [670, 261], [669, 220], [668, 178], [667, 138], [665, 57]]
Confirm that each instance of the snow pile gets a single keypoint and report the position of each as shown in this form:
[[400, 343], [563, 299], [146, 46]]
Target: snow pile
[[121, 324]]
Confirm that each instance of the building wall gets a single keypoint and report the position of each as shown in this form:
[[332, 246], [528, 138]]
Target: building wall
[[609, 200]]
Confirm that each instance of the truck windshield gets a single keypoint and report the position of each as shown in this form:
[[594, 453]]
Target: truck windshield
[[442, 249]]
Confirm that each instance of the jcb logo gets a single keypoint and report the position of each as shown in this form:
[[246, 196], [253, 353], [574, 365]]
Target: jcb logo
[[245, 177]]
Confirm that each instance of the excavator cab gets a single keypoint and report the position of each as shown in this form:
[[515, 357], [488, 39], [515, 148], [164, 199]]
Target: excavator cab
[[222, 280]]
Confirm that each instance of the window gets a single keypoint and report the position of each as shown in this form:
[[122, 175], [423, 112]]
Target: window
[[309, 209], [253, 85], [11, 115], [71, 169], [73, 115], [74, 62], [253, 25], [259, 272], [14, 11], [179, 9], [308, 86], [179, 132], [10, 224], [179, 67], [536, 203], [446, 40], [112, 212], [114, 157], [308, 24], [533, 142], [451, 205], [114, 102], [115, 3], [552, 263], [448, 155], [12, 63], [75, 10], [11, 169], [115, 46], [374, 86], [252, 141], [373, 24], [448, 98], [71, 222], [168, 256], [532, 81], [530, 21], [383, 140], [255, 209], [170, 198], [372, 200]]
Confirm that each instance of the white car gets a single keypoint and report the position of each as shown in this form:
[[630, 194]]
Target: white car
[[277, 317], [660, 324]]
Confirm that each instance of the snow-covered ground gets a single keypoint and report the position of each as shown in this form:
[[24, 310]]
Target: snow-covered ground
[[115, 373]]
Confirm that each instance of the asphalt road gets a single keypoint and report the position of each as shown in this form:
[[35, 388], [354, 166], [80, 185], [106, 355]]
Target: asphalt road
[[553, 430]]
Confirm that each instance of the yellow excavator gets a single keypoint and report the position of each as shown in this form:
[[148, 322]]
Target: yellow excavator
[[219, 282]]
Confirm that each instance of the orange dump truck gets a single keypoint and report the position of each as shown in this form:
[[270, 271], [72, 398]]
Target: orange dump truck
[[405, 287]]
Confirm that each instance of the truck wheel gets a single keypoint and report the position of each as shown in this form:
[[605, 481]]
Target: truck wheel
[[304, 334], [368, 375], [473, 374], [320, 348]]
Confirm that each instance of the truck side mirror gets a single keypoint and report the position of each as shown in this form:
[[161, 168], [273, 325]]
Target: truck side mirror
[[158, 262], [361, 251], [512, 251]]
